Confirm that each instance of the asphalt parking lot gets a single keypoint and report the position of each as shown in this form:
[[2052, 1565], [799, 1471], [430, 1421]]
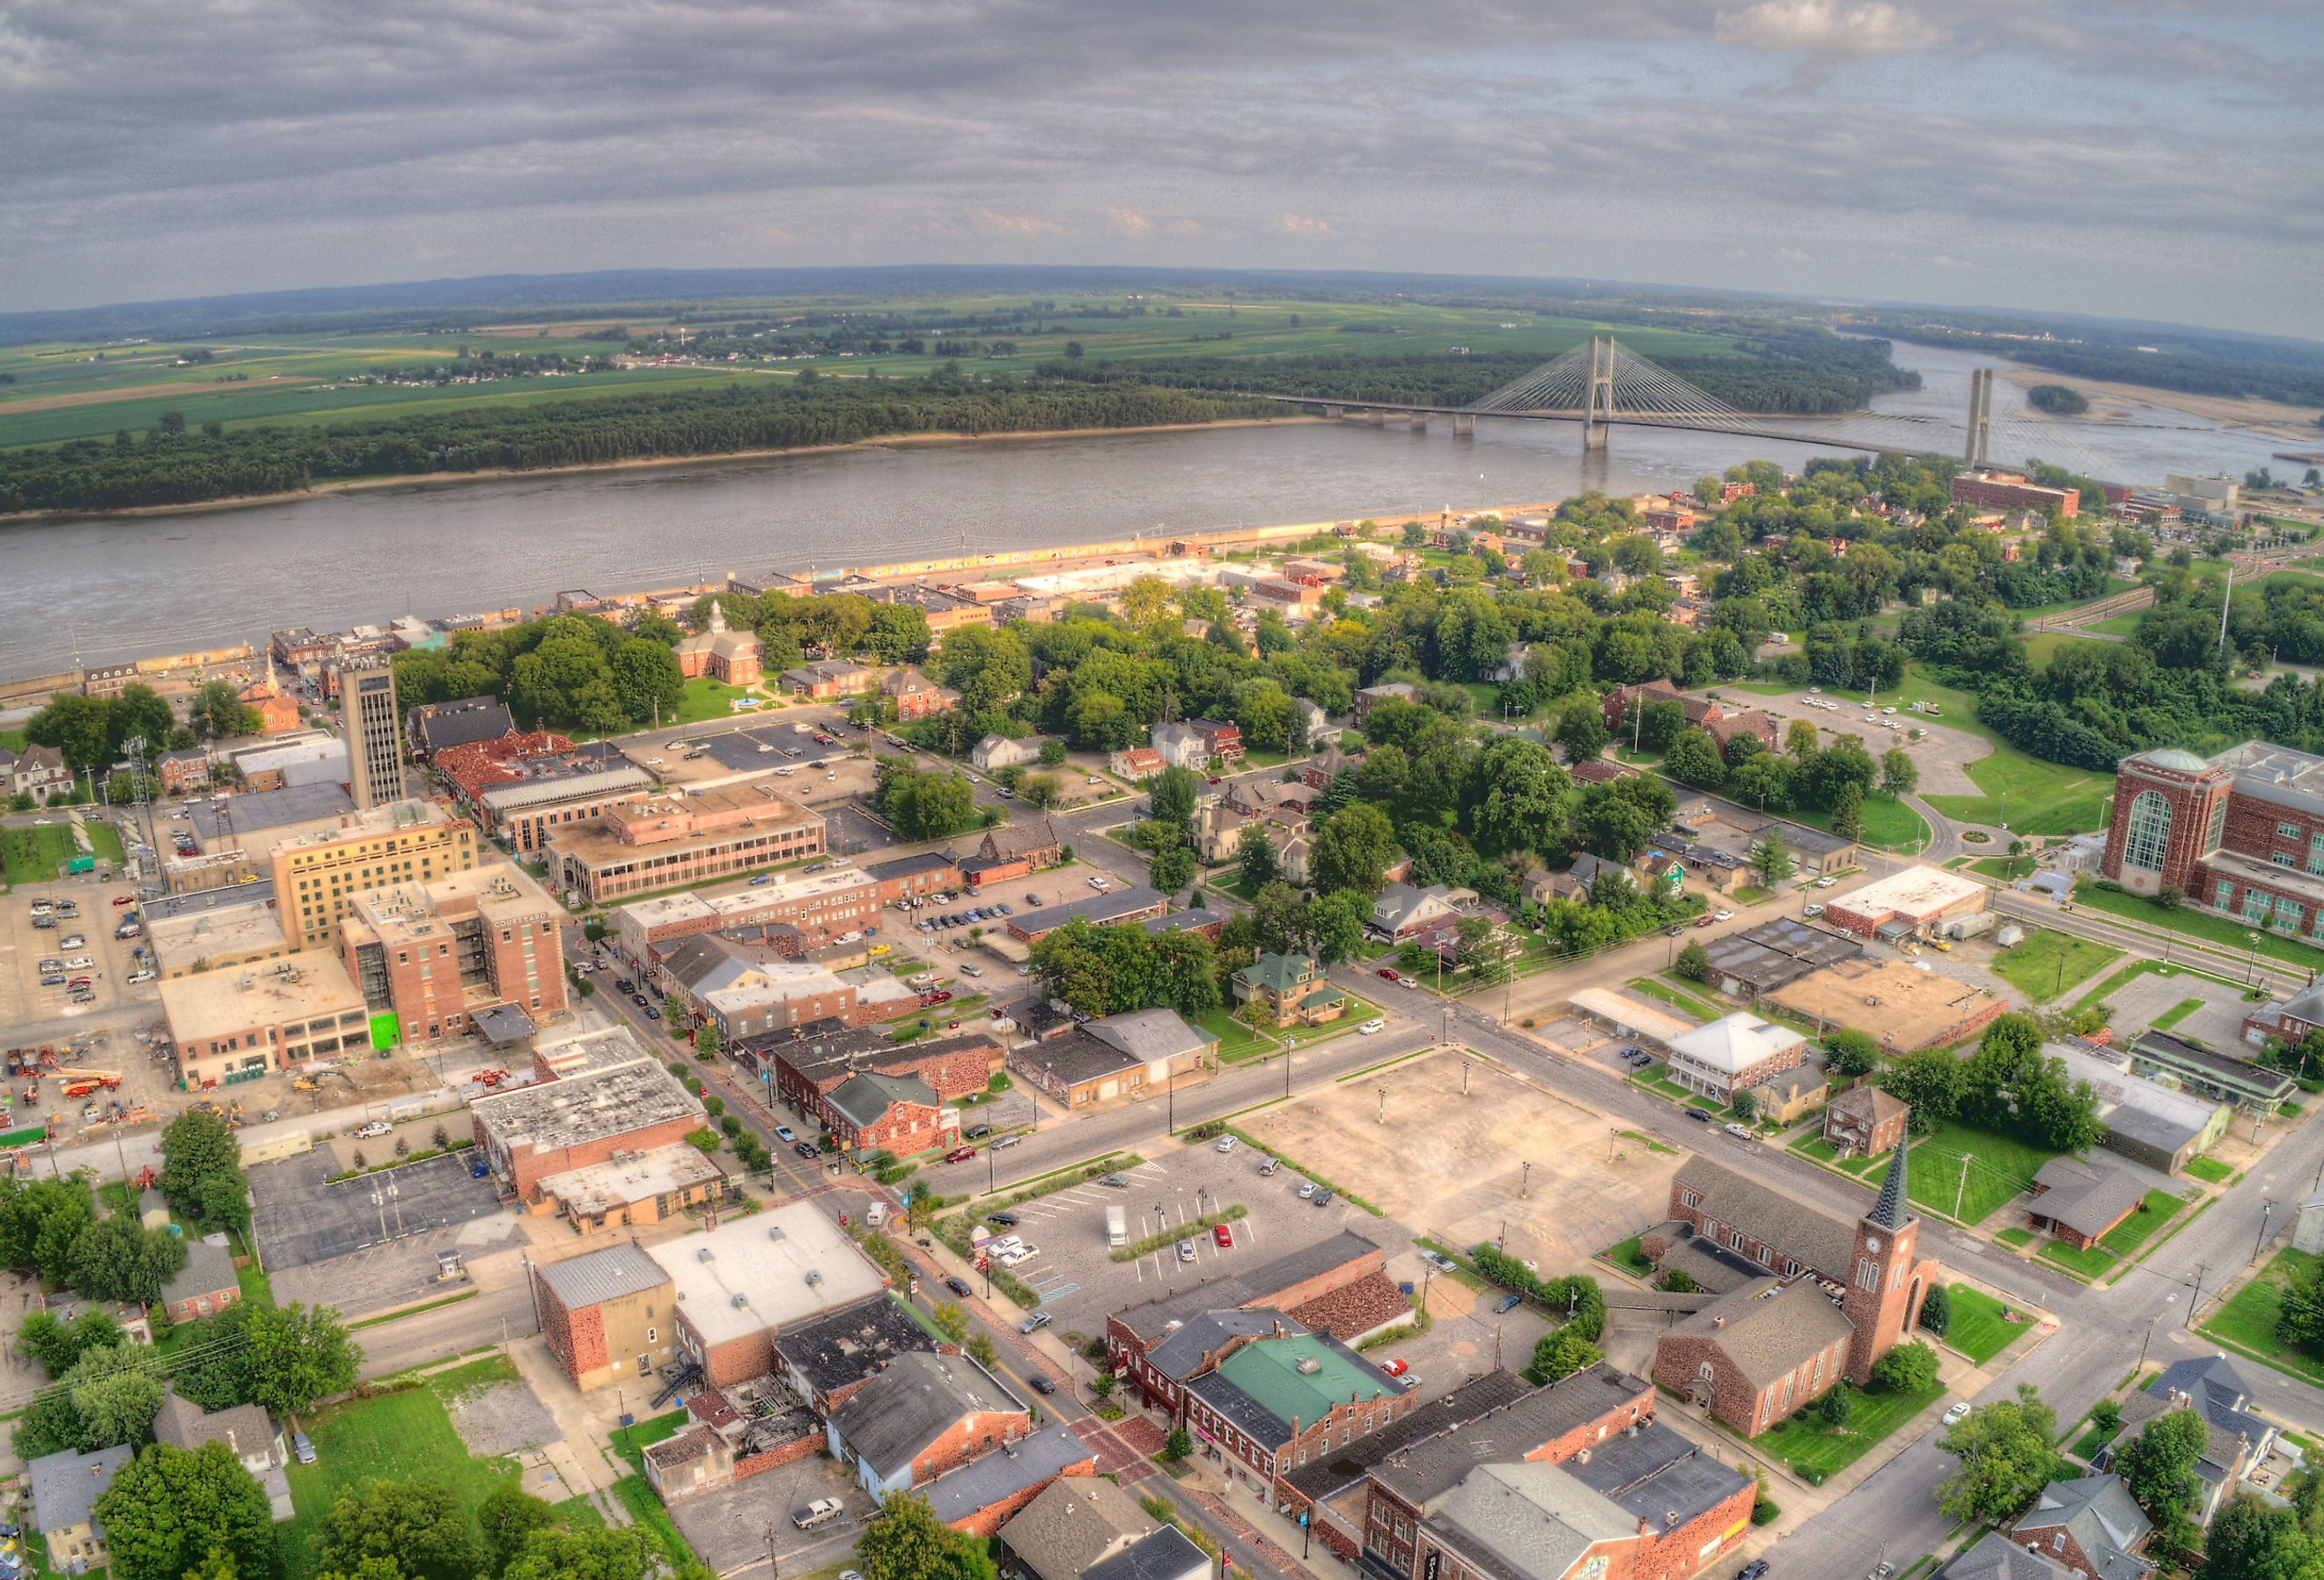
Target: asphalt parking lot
[[728, 1525], [301, 1218], [1079, 1280]]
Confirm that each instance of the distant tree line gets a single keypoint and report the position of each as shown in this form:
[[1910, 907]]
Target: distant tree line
[[172, 466]]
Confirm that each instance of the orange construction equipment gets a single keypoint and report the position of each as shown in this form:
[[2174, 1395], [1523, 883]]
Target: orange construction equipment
[[109, 1078], [147, 1178], [81, 1085], [491, 1077]]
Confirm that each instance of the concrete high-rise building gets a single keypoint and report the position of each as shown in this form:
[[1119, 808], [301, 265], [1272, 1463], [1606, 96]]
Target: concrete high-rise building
[[374, 732]]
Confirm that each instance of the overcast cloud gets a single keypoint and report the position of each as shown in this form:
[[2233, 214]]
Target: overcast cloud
[[2155, 159]]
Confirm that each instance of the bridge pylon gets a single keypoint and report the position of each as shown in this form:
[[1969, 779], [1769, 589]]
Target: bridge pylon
[[1597, 393], [1981, 416]]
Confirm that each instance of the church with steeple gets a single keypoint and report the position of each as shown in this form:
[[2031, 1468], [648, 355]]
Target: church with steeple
[[1792, 1296], [723, 655]]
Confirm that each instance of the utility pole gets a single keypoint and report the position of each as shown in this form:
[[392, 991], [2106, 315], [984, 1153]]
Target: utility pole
[[1525, 1182], [772, 1572], [2197, 1299], [2266, 1210], [1962, 1188], [1383, 1104]]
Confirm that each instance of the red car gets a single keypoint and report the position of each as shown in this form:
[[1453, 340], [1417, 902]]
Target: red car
[[1222, 1236], [1387, 975], [124, 898], [940, 997], [1706, 920], [1395, 1368], [959, 1154]]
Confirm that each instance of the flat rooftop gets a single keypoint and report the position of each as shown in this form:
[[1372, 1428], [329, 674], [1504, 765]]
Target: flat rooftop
[[387, 817], [400, 913], [231, 896], [766, 1271], [1901, 1006], [741, 904], [595, 844], [605, 1187], [2275, 773], [608, 1048], [1916, 892], [226, 820], [248, 927], [296, 988], [586, 1105]]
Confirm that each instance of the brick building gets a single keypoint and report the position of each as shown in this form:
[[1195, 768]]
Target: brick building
[[430, 727], [1907, 905], [828, 677], [913, 694], [922, 1416], [522, 786], [318, 872], [621, 1100], [1828, 1299], [895, 1114], [441, 954], [820, 906], [741, 1284], [1276, 1402], [1865, 1122], [1284, 1284], [184, 770], [805, 1071], [206, 1284], [2090, 1526], [1732, 1053], [672, 841], [1121, 1058], [753, 989], [1574, 1481], [608, 1317], [2242, 833], [827, 1359], [1013, 850], [2013, 491], [717, 654], [1722, 723]]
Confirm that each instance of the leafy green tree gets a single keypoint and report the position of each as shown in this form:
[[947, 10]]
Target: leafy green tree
[[296, 1355], [1848, 813], [1255, 857], [116, 1392], [1521, 799], [1171, 794], [1335, 925], [1176, 1446], [39, 1222], [369, 1570], [1694, 962], [119, 1259], [1172, 870], [912, 1544], [1898, 774], [1618, 818], [197, 1147], [217, 710], [2250, 1540], [1581, 729], [1657, 724], [1771, 859], [218, 1564], [506, 1519], [2008, 1454], [951, 1321], [1560, 1354], [2158, 1465], [558, 1552], [1352, 851], [1695, 758], [981, 1350], [170, 1509], [1906, 1368], [1835, 1407], [2300, 1322], [1745, 1105], [1850, 1053], [418, 1524]]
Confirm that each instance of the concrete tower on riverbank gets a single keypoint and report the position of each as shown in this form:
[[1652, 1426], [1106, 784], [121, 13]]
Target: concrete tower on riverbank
[[373, 731]]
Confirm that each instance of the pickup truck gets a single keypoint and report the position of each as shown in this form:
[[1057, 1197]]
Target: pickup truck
[[822, 1511]]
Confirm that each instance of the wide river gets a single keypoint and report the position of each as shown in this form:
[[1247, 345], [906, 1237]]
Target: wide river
[[107, 589]]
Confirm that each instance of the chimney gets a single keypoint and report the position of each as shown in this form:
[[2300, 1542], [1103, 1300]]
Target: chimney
[[1718, 1321], [1646, 1526]]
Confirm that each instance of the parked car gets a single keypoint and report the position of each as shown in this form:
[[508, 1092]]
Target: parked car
[[1705, 920], [1395, 1368], [1812, 911], [1957, 1414], [784, 1133], [1006, 1220], [1035, 1323], [960, 1155], [1324, 1198], [1825, 882], [958, 1286], [1222, 1236], [1185, 1251], [1387, 974], [1226, 1143], [1439, 1261], [822, 1511], [652, 1013], [303, 1446], [1041, 1384], [377, 1127], [804, 1149], [1307, 1188], [1722, 916], [977, 1132], [1702, 1114], [1755, 1569], [1509, 1302], [1372, 1027], [1744, 1131], [1675, 929]]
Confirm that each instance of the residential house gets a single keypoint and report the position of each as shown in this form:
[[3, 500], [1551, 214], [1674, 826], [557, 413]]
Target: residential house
[[924, 1415], [1995, 1556], [1135, 764], [205, 1285], [1371, 696], [1313, 728], [246, 1431], [2091, 1526], [1181, 745], [2238, 1439], [40, 773], [2081, 1202], [997, 752], [1579, 881], [1402, 911], [1790, 1096], [1659, 872], [828, 677], [913, 694], [65, 1488], [185, 769], [1294, 988], [1865, 1122]]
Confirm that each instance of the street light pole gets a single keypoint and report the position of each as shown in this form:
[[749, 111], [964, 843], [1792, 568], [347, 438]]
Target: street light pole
[[1383, 1104], [2266, 1210]]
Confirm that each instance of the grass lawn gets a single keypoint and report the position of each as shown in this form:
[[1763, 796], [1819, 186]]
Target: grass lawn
[[2047, 963], [1998, 1168], [1808, 1446], [2087, 1446], [1978, 1329], [255, 1287], [2116, 625], [2158, 1209], [105, 842], [15, 741], [403, 1435], [2247, 1322], [2210, 1170], [1356, 1013], [632, 1441], [2176, 1013], [2031, 796], [2017, 1237], [1678, 998], [1816, 1147], [653, 1522], [2088, 1264], [1237, 1041], [32, 855], [1888, 823], [2115, 585], [1626, 1256], [2008, 869], [2196, 924]]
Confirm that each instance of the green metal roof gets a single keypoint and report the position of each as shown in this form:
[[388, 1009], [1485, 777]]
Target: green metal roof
[[1279, 973], [1269, 1372]]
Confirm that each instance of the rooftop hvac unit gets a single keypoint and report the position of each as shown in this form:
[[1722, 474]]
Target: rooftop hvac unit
[[775, 1231], [703, 1254], [741, 1300], [1310, 1365], [814, 1275]]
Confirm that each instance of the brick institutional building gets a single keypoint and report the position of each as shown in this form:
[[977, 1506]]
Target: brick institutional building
[[718, 653], [1805, 1298], [2242, 833]]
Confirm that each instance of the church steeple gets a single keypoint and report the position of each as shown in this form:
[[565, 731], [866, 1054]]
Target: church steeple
[[718, 617], [1893, 1211]]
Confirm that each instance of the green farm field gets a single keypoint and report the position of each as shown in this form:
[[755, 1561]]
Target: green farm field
[[64, 391]]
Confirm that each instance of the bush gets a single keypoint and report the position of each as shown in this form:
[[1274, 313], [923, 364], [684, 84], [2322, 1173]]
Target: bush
[[1905, 1367], [1764, 1511], [1176, 1446], [2107, 1416], [1937, 1310], [1834, 1409]]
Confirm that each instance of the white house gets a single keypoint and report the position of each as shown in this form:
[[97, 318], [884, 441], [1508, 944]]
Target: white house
[[1001, 752], [1181, 745]]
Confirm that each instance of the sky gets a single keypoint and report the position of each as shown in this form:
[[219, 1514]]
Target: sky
[[2150, 159]]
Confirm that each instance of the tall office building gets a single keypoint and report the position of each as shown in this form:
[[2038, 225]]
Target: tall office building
[[374, 732]]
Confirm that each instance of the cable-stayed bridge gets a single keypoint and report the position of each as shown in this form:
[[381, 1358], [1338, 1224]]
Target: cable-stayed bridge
[[1602, 384]]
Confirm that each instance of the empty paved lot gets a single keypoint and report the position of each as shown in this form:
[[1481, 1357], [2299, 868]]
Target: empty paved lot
[[301, 1217]]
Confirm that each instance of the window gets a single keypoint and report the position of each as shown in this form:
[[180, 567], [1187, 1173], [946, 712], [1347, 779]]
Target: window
[[2219, 823], [2288, 830], [2287, 915], [653, 1336], [2256, 906], [2224, 896], [2149, 834], [2282, 858], [1868, 1277]]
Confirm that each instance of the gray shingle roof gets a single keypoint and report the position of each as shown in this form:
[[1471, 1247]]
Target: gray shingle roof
[[1149, 1036], [2100, 1515], [67, 1486], [1869, 1103], [1816, 1237], [209, 1270], [1322, 1479], [602, 1275], [1166, 1555], [1657, 1475], [1003, 1474], [1072, 1524], [1766, 1330], [183, 1424], [866, 1099], [907, 1406], [1262, 1284], [1536, 1520], [1891, 1212], [1996, 1557], [2089, 1198], [1431, 1468], [1176, 1357]]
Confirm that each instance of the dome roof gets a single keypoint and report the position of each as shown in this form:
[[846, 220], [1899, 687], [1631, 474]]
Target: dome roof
[[2175, 759]]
